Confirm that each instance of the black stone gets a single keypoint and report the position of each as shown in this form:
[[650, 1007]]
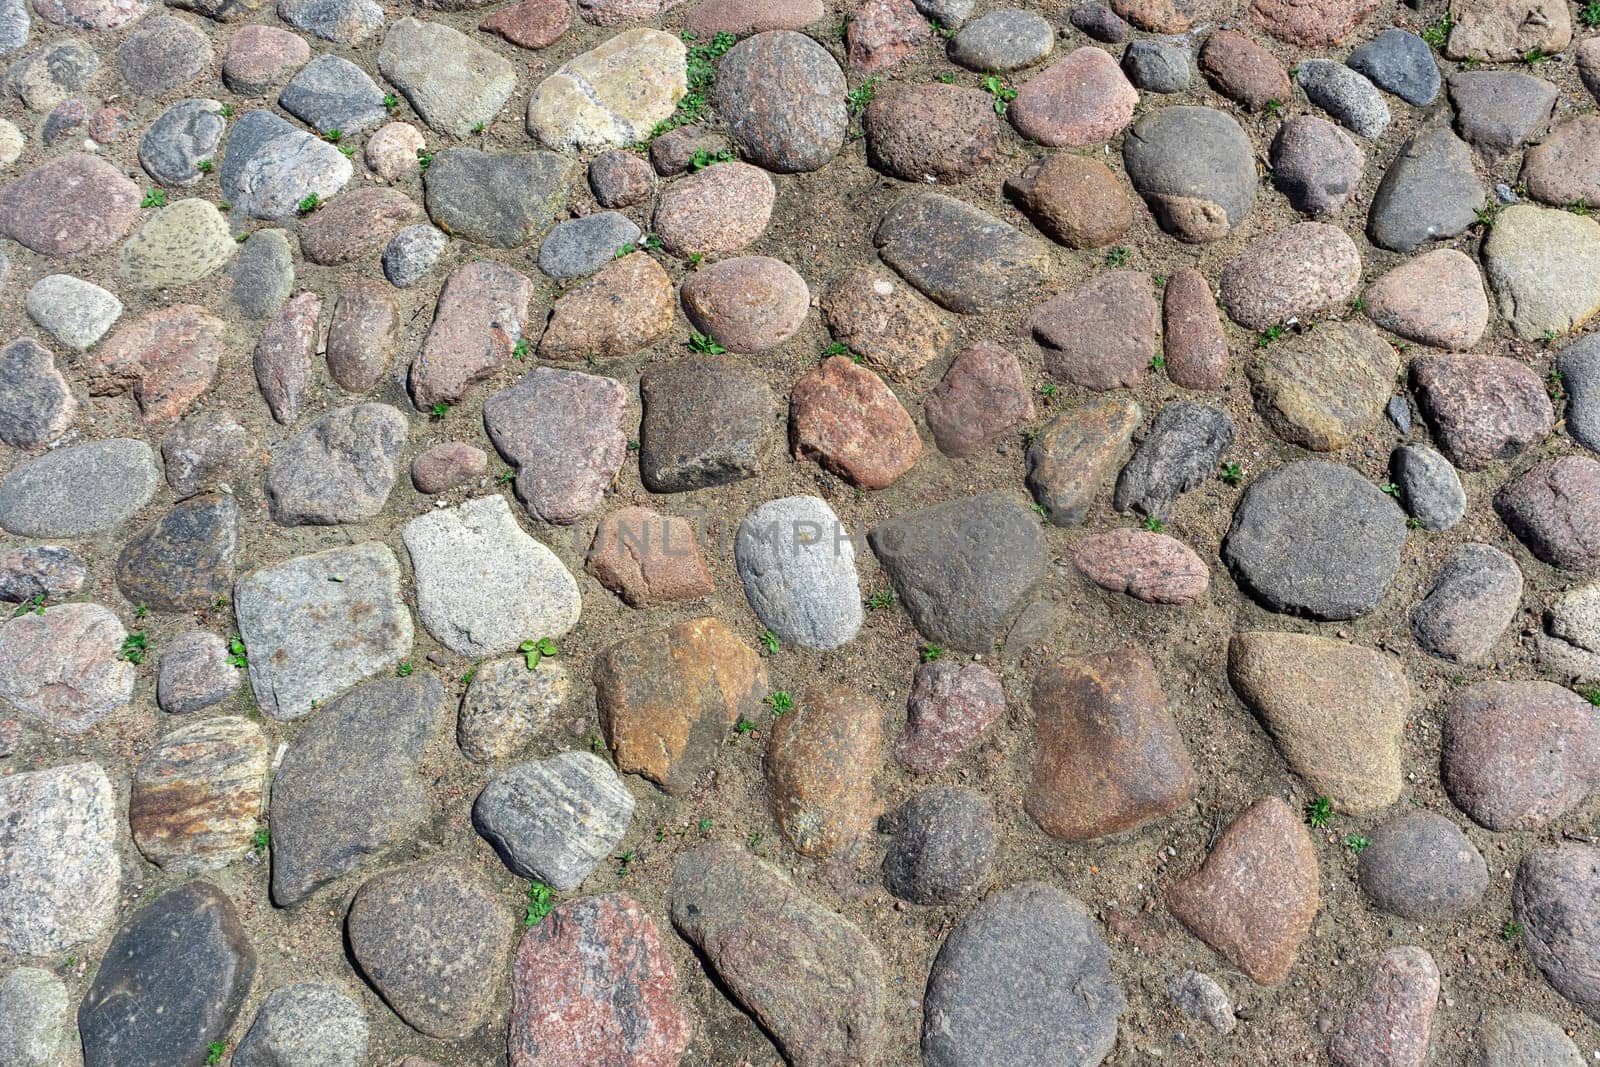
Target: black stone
[[1180, 452]]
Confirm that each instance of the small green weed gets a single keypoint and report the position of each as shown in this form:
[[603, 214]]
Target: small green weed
[[154, 198], [520, 349], [703, 159], [931, 653], [1391, 489], [770, 643], [1269, 335], [439, 410], [699, 342], [33, 605], [858, 98], [134, 647], [1117, 257], [534, 651], [390, 101], [1232, 473], [540, 903], [1512, 930], [309, 203], [781, 701], [237, 656], [405, 669], [881, 599], [261, 839], [1319, 813], [1357, 843], [1439, 32], [1153, 524], [1003, 94], [214, 1052]]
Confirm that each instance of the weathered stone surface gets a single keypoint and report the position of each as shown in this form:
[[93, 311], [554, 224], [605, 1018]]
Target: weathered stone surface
[[1390, 1023], [361, 336], [259, 58], [783, 98], [77, 205], [1243, 71], [621, 179], [75, 312], [483, 585], [1472, 600], [1430, 192], [629, 305], [1196, 347], [446, 466], [1482, 409], [348, 792], [172, 982], [1255, 897], [797, 562], [283, 356], [932, 132], [882, 34], [270, 167], [1571, 636], [555, 820], [48, 571], [1311, 23], [1579, 367], [61, 668], [1336, 712], [894, 331], [1101, 335], [579, 247], [197, 795], [78, 489], [813, 980], [1295, 273], [1497, 111], [961, 258], [482, 311], [1179, 452], [1315, 538], [1195, 168], [843, 416], [195, 673], [356, 226], [310, 636], [1147, 566], [1324, 389], [819, 767], [184, 560], [1080, 99], [1200, 997], [59, 872], [453, 82], [36, 404], [339, 469], [1073, 456], [1316, 165], [592, 983], [1111, 758], [748, 304], [495, 198], [201, 452], [507, 705], [1435, 299], [1420, 866], [1544, 268], [161, 54], [563, 431], [1523, 1039], [1401, 63], [1553, 507], [167, 359], [1076, 200], [1518, 755], [433, 939], [668, 698], [611, 96], [34, 1014], [49, 75], [305, 1022], [1345, 94], [393, 152], [263, 275], [1554, 899], [980, 398], [708, 421], [949, 708], [647, 558], [412, 254], [184, 242], [333, 94], [530, 24], [961, 568], [1025, 977], [1507, 30], [943, 846]]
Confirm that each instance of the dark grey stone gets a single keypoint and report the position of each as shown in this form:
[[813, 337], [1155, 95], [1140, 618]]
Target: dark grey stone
[[495, 198], [961, 568], [556, 819], [1471, 602], [942, 848], [582, 246], [1579, 367], [1157, 66], [79, 489], [960, 257], [310, 1024], [184, 560], [1556, 897], [162, 53], [36, 405], [783, 97], [1176, 156], [1100, 22], [1401, 63], [171, 983], [338, 469], [1498, 111], [201, 452], [1430, 489], [412, 254], [263, 275], [331, 93], [1399, 412], [1024, 978], [1180, 452], [186, 134], [348, 792], [1346, 95], [1420, 866], [269, 167], [1003, 41], [708, 420], [1315, 538], [1430, 192], [950, 13]]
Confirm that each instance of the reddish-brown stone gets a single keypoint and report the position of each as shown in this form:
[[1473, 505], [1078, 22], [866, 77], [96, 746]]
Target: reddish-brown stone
[[1196, 346], [1554, 507], [1155, 16], [923, 133], [356, 225], [1110, 755], [741, 17], [168, 358], [1255, 897], [820, 764], [531, 24], [592, 983], [76, 205], [1435, 299], [1075, 200], [883, 34], [482, 312], [893, 328], [1311, 23], [979, 399], [844, 417], [1151, 567], [721, 209], [196, 799], [950, 706], [1389, 1026], [1079, 100], [283, 355], [627, 306], [747, 304], [1483, 409], [361, 335], [443, 467], [259, 58], [668, 698], [1243, 71], [1103, 334], [647, 558]]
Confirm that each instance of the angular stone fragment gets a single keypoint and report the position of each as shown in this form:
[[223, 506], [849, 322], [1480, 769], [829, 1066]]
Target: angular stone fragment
[[1111, 758], [304, 1021], [196, 673], [1544, 268], [452, 81], [348, 791], [78, 489], [1075, 453], [62, 667], [819, 767], [556, 819], [1101, 335], [339, 469], [647, 558], [815, 983], [611, 96], [1180, 451], [1507, 30], [943, 846], [1472, 600], [1554, 898], [894, 330], [844, 417], [1322, 390], [283, 356], [629, 305], [1554, 509], [197, 795], [949, 708], [480, 317], [978, 401], [168, 359], [961, 258], [1147, 566], [1076, 200], [1390, 1024], [1256, 895], [36, 404], [184, 560], [1081, 99], [563, 431], [1483, 409], [1435, 299], [507, 705], [708, 421], [495, 198], [361, 336], [270, 167], [318, 624]]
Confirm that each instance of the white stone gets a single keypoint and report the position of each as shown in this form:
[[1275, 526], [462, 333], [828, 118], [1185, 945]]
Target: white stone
[[59, 871], [798, 565], [75, 312]]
